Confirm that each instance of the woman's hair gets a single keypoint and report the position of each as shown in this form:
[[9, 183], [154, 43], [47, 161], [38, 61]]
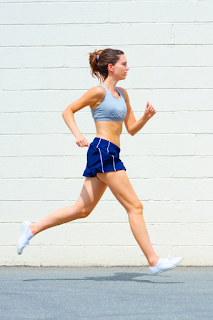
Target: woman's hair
[[99, 61]]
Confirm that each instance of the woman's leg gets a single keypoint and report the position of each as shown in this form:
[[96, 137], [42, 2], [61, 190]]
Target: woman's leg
[[91, 193], [119, 184]]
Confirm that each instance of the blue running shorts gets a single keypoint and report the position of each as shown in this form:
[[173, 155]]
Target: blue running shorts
[[102, 156]]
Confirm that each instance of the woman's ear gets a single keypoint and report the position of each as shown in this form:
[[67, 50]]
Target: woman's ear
[[110, 67]]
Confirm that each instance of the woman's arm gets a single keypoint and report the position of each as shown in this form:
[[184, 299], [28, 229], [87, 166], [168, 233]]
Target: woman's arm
[[91, 97], [133, 126]]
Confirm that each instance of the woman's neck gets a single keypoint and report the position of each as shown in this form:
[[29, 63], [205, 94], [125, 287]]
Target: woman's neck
[[110, 83]]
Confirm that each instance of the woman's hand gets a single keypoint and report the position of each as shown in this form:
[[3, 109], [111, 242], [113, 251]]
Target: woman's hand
[[149, 111], [81, 141]]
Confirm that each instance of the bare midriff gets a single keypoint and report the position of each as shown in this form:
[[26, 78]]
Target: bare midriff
[[109, 130]]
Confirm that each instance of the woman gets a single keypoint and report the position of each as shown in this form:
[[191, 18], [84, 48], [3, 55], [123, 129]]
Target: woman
[[110, 107]]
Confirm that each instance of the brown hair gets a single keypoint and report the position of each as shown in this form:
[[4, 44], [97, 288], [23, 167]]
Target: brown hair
[[99, 61]]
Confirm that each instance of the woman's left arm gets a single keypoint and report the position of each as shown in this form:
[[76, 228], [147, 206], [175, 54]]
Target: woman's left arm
[[133, 126]]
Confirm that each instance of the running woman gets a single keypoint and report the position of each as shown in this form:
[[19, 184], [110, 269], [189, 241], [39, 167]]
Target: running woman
[[110, 107]]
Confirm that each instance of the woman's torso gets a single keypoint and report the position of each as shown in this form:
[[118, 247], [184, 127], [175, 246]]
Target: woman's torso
[[108, 114]]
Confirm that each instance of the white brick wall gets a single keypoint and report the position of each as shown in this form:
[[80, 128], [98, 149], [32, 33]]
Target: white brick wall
[[44, 66]]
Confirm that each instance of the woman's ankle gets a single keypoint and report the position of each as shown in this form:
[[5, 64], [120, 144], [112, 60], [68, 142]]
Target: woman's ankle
[[153, 261], [33, 229]]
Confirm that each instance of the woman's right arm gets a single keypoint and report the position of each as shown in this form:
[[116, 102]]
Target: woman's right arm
[[91, 97]]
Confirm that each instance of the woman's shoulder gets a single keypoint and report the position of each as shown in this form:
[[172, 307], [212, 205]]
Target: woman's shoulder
[[124, 92], [96, 96], [98, 91]]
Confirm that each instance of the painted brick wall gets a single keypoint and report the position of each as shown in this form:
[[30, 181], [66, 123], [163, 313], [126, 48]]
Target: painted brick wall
[[44, 49]]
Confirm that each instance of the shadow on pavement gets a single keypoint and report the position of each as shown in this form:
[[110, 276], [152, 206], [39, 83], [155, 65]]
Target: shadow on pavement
[[120, 276]]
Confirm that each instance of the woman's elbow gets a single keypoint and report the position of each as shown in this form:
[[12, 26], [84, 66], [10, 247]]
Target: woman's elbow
[[64, 112], [132, 133]]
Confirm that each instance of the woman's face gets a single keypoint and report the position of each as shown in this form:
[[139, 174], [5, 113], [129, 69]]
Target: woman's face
[[120, 68]]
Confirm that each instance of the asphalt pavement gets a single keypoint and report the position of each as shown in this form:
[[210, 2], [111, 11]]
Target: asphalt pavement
[[114, 293]]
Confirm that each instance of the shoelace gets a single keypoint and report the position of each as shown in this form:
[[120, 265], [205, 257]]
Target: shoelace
[[170, 258]]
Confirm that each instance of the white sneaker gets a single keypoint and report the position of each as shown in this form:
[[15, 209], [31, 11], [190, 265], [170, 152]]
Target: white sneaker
[[165, 264], [23, 241]]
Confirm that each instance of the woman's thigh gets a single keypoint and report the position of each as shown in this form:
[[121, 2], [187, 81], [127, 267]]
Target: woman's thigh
[[119, 184], [91, 193]]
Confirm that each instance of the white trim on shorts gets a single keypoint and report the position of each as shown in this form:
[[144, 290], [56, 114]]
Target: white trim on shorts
[[113, 158], [114, 162], [100, 155], [108, 147]]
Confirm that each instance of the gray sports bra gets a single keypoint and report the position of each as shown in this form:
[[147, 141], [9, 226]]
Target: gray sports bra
[[111, 108]]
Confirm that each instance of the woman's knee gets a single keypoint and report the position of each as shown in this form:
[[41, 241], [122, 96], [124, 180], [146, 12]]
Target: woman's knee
[[84, 212], [81, 210], [136, 208]]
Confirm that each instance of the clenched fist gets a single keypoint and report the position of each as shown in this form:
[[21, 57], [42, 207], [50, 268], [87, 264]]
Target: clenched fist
[[82, 142], [149, 111]]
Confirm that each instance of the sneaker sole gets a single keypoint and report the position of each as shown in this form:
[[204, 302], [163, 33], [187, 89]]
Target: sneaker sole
[[153, 274]]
